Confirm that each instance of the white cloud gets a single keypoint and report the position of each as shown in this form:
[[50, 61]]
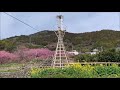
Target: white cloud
[[6, 25], [75, 22], [98, 22]]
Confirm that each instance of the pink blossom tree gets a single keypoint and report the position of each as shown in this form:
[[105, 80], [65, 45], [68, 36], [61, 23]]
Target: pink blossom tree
[[6, 57], [26, 55], [43, 53], [29, 54]]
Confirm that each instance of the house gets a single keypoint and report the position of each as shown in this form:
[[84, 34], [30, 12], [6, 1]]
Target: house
[[74, 52], [94, 51]]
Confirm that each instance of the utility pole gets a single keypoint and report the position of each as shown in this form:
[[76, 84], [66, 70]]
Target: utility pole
[[30, 40]]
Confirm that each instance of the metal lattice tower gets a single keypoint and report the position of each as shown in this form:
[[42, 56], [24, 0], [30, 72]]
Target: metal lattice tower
[[60, 58]]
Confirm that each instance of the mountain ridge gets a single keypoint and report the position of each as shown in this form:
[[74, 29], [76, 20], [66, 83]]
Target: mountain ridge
[[86, 41]]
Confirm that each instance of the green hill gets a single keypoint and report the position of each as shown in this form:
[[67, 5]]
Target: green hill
[[79, 41]]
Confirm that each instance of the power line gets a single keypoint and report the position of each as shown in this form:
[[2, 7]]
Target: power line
[[20, 21], [23, 23]]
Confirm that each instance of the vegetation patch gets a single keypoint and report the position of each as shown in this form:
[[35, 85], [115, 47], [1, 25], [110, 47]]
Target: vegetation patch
[[78, 71]]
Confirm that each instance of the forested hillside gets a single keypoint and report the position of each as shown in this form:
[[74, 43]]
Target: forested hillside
[[83, 42]]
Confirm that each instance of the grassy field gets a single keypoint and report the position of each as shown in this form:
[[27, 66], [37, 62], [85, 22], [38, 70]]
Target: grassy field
[[16, 70], [78, 71], [32, 70]]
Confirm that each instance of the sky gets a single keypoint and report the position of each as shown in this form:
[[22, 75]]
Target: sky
[[75, 22]]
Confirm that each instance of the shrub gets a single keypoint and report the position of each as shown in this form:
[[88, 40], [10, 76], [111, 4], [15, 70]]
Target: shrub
[[105, 56]]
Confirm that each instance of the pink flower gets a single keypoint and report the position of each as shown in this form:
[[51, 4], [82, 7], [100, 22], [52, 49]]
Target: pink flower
[[7, 57]]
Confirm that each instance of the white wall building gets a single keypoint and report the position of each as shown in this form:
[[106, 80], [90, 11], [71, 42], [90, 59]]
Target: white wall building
[[74, 52], [92, 53]]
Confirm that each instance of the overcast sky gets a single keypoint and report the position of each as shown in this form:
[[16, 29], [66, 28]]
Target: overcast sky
[[76, 22]]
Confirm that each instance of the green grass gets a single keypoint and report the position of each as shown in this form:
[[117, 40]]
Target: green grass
[[13, 70], [10, 64], [78, 71], [73, 71], [11, 67]]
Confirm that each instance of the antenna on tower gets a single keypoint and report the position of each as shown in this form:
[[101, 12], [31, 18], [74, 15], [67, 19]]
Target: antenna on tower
[[60, 58]]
